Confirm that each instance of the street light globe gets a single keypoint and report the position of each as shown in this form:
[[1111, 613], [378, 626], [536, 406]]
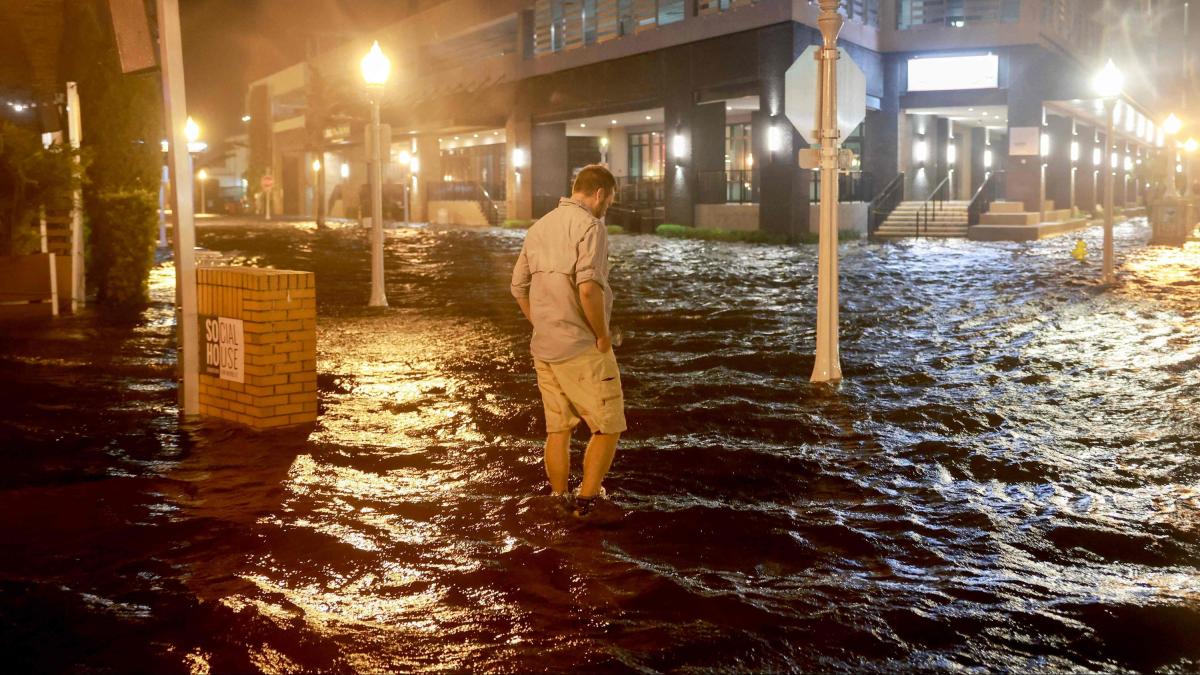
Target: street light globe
[[1190, 145], [1109, 81], [376, 66], [202, 174], [1172, 125], [316, 165], [191, 130]]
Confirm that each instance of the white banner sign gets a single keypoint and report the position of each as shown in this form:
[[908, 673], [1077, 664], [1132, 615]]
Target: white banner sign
[[946, 73], [223, 348]]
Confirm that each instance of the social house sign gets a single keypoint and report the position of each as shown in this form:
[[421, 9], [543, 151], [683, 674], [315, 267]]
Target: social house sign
[[223, 348]]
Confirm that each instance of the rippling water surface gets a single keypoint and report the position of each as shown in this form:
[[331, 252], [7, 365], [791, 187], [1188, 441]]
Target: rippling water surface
[[1008, 478]]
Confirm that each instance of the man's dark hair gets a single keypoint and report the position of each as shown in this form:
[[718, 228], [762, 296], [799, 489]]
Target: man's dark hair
[[593, 177]]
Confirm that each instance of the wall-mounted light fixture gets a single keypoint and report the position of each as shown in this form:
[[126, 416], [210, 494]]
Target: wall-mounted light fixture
[[518, 158], [1096, 156], [678, 148], [951, 153], [405, 157], [920, 151], [1128, 163], [1045, 145], [774, 138], [345, 170], [415, 165], [987, 159], [1114, 160], [1074, 151]]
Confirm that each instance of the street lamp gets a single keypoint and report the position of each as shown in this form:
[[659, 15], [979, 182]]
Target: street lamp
[[202, 176], [1170, 127], [1108, 84], [375, 70]]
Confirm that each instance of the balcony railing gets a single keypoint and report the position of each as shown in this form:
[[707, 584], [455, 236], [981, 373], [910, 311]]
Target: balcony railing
[[955, 13], [854, 186], [728, 187]]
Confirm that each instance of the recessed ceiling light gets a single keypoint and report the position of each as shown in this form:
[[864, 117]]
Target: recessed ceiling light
[[476, 135], [729, 107], [582, 125], [985, 113], [647, 117], [970, 110], [614, 121]]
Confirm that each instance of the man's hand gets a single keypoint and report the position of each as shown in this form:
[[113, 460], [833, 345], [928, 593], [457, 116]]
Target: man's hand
[[591, 298], [523, 302]]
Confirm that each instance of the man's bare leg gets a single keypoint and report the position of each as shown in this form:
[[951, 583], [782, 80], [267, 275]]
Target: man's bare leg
[[558, 460], [596, 460]]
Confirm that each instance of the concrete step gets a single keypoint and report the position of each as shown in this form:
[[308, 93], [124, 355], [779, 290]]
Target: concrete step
[[1009, 218], [1006, 207]]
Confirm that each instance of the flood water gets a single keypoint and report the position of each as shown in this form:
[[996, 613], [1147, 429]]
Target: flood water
[[1008, 478]]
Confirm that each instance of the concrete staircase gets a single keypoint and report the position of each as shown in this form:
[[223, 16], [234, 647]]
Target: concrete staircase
[[950, 220]]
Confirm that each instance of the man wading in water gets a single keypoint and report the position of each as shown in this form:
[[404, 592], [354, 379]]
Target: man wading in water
[[561, 283]]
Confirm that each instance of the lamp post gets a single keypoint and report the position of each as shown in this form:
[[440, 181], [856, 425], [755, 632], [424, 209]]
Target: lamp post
[[1170, 127], [1108, 84], [375, 69], [202, 176]]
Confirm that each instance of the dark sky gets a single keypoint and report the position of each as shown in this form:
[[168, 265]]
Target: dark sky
[[229, 43]]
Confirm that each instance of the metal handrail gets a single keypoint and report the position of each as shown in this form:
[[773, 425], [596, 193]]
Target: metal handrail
[[923, 212], [882, 206], [983, 197]]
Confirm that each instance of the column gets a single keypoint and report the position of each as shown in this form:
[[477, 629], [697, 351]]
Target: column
[[548, 169], [1058, 161], [679, 175], [518, 185], [708, 152], [429, 165]]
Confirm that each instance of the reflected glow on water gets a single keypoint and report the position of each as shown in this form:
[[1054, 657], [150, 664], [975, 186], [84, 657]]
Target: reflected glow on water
[[1008, 478]]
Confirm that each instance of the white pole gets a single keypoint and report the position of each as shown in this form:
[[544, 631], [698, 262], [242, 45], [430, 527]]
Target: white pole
[[267, 199], [202, 202], [175, 107], [53, 285], [827, 366], [42, 229], [378, 294], [75, 131], [1110, 146], [162, 207]]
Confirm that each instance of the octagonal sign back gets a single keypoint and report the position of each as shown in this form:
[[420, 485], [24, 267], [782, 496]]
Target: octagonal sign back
[[800, 99]]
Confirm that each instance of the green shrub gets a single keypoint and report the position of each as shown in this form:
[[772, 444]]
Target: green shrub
[[123, 238], [671, 230], [517, 224], [616, 229]]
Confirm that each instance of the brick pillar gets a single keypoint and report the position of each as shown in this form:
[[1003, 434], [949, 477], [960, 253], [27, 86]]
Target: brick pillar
[[272, 382]]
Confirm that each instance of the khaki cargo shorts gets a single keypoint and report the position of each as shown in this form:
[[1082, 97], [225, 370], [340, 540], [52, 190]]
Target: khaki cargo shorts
[[587, 386]]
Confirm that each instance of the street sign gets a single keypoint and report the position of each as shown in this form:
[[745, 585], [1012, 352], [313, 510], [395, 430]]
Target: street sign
[[267, 182], [800, 100]]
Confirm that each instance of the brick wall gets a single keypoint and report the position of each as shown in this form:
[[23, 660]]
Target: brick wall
[[279, 313]]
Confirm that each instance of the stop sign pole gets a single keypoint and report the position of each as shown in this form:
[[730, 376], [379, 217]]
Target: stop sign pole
[[827, 366]]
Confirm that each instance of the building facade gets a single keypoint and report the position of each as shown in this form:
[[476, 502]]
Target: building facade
[[501, 102]]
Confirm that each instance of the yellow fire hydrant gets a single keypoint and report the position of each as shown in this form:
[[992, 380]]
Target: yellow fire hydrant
[[1080, 251]]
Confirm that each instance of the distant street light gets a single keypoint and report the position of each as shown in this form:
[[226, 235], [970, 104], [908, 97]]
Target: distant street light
[[375, 70], [202, 176], [1108, 84]]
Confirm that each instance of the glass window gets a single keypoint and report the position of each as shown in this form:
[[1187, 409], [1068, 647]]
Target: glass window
[[647, 156], [739, 162]]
